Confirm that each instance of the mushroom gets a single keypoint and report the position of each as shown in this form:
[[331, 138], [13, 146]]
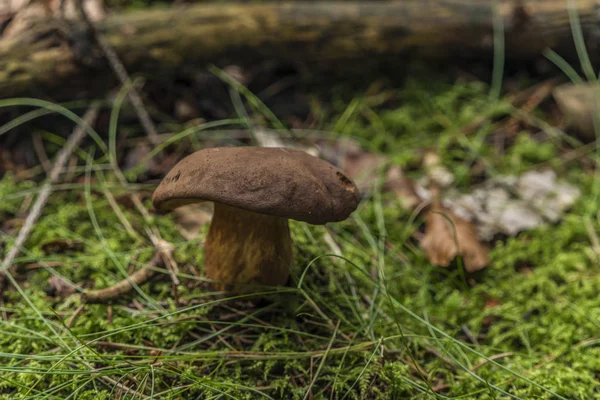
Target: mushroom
[[255, 190]]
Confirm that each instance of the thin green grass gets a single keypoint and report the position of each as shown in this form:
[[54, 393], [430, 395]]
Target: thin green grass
[[397, 317], [366, 315]]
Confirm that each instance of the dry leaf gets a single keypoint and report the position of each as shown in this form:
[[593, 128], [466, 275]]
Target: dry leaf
[[403, 187], [358, 164], [363, 168], [444, 230]]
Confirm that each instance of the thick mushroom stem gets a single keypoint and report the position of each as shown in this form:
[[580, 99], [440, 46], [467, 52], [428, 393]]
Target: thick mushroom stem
[[244, 248]]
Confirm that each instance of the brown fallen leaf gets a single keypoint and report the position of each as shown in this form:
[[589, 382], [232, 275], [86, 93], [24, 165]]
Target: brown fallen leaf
[[403, 187], [447, 235], [357, 163], [363, 168]]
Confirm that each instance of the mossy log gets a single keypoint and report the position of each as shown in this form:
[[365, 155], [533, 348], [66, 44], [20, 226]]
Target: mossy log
[[55, 54]]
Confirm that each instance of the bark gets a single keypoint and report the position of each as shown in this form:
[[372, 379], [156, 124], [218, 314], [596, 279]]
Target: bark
[[55, 54]]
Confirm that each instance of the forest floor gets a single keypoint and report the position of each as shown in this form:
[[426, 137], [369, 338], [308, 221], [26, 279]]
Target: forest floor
[[366, 315]]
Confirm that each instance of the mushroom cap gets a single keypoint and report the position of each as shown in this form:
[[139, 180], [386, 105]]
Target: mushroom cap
[[273, 181]]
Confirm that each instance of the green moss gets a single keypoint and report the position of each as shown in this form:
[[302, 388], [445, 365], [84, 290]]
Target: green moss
[[347, 330]]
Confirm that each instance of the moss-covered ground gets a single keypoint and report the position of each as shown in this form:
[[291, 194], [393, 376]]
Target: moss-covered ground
[[375, 321]]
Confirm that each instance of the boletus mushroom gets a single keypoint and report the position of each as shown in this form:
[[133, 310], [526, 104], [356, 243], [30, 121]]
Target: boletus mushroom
[[255, 190]]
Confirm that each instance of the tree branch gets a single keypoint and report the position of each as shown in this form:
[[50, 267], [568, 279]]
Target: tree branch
[[162, 42]]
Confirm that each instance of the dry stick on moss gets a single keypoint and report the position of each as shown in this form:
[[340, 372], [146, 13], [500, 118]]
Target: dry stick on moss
[[144, 117], [125, 286], [163, 247], [73, 317], [121, 72], [36, 210], [138, 278]]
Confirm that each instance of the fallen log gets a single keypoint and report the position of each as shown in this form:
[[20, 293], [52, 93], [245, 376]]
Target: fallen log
[[55, 54]]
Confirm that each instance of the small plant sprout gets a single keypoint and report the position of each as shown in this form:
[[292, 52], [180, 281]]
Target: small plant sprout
[[255, 191]]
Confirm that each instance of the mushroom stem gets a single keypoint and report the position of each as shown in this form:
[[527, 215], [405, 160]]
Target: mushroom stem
[[244, 247]]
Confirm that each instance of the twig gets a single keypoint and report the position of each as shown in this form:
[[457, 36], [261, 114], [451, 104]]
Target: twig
[[119, 70], [136, 100], [165, 249], [73, 317], [534, 98], [49, 264], [74, 140], [25, 204], [526, 100], [125, 286], [139, 277]]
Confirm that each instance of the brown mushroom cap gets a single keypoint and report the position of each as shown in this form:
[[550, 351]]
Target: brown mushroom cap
[[273, 181]]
